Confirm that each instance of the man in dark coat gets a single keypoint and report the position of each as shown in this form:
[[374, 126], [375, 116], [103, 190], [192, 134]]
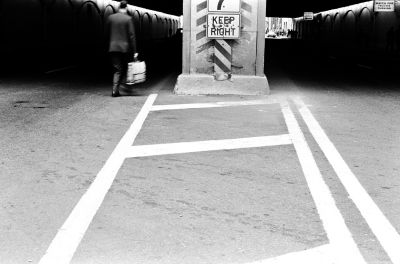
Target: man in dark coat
[[122, 44]]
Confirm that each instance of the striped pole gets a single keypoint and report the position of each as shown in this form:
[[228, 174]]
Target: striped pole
[[222, 60]]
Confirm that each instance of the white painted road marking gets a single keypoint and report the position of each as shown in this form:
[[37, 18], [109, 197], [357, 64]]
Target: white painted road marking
[[210, 145], [213, 105], [68, 238], [344, 248], [318, 255], [379, 224]]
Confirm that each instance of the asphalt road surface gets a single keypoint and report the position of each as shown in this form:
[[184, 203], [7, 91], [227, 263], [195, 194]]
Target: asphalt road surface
[[309, 174]]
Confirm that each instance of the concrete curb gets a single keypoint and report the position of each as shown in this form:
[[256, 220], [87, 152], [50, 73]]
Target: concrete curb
[[202, 84]]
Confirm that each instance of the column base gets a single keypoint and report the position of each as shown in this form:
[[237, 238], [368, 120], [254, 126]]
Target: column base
[[203, 84]]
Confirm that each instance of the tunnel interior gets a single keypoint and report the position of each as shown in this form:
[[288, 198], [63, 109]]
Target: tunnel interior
[[40, 36], [45, 36]]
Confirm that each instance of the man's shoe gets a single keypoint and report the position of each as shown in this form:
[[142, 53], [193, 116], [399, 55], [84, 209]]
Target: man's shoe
[[115, 94]]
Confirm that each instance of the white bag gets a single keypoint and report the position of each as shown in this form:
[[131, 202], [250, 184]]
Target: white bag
[[136, 72]]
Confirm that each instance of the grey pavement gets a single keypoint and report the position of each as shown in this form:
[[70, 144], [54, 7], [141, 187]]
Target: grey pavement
[[224, 206]]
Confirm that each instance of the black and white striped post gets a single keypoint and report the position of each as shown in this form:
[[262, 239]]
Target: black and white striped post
[[222, 60]]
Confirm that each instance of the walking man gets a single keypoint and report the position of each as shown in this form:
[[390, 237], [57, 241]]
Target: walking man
[[122, 44]]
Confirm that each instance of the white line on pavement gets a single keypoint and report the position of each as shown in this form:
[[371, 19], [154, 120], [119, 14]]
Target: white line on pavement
[[344, 248], [61, 69], [379, 224], [211, 145], [364, 66], [213, 105], [68, 238], [318, 255]]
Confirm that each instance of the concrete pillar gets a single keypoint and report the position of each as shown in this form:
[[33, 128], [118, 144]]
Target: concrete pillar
[[223, 66]]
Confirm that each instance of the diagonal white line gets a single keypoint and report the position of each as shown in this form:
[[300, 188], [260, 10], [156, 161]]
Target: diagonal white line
[[224, 44], [222, 58], [217, 69], [201, 13], [344, 248], [246, 13], [68, 238], [202, 41], [213, 105], [210, 145], [318, 255], [379, 224]]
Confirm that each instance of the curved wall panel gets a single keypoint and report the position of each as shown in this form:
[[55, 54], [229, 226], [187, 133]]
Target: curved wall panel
[[21, 28], [355, 28], [58, 32]]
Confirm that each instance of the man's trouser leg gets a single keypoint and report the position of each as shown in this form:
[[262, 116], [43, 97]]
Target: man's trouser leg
[[120, 66]]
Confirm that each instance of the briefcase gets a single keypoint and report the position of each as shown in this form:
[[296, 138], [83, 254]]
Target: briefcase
[[136, 72]]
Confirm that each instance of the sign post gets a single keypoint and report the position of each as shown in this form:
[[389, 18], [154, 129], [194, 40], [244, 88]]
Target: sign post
[[223, 22], [223, 19]]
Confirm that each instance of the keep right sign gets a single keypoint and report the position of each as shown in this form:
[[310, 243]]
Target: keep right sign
[[223, 26], [384, 5]]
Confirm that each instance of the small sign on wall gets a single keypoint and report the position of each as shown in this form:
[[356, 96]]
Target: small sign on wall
[[223, 26], [308, 15], [384, 5], [231, 6]]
